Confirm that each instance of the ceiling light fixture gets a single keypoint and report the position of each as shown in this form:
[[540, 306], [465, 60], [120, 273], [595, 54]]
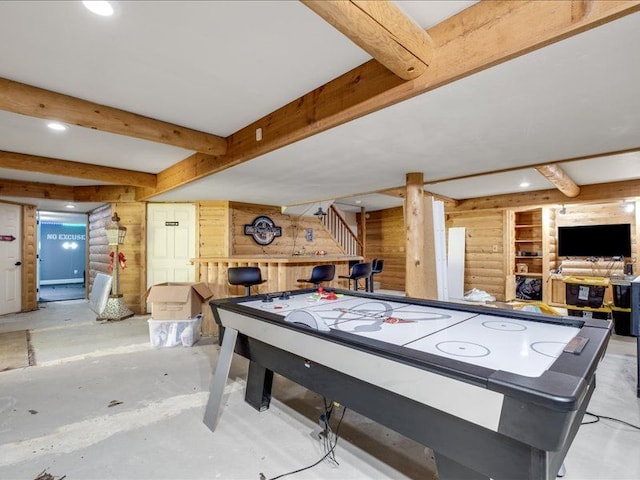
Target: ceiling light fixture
[[57, 126], [320, 213], [104, 9]]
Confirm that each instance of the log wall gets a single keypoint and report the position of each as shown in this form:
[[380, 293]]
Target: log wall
[[488, 256], [98, 246], [133, 277], [29, 259], [486, 260]]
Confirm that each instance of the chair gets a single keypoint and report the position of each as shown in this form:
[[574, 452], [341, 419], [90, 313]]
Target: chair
[[319, 274], [247, 276], [376, 267], [359, 270]]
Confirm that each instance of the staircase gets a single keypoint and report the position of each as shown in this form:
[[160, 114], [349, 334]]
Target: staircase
[[336, 225]]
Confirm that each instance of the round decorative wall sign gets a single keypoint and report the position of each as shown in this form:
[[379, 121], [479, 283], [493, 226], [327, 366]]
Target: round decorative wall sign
[[263, 230]]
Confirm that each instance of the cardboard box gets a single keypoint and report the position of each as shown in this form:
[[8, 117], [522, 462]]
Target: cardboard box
[[177, 301]]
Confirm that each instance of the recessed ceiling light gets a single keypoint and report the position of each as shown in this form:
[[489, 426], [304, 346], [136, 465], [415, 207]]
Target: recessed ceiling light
[[70, 206], [57, 126], [524, 184], [104, 9]]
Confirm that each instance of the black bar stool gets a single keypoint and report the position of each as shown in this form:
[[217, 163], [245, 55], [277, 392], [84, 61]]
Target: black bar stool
[[247, 276], [359, 270], [376, 267], [319, 274]]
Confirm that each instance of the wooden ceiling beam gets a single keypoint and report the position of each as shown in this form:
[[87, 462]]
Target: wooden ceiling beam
[[401, 192], [563, 182], [191, 168], [66, 168], [104, 193], [486, 34], [381, 29], [588, 194], [524, 167], [36, 102], [49, 191]]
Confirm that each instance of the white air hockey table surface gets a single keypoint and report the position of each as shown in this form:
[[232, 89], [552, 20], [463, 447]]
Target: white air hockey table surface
[[476, 384], [519, 346]]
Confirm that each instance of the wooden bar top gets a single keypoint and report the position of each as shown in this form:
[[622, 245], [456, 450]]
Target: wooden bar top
[[279, 259]]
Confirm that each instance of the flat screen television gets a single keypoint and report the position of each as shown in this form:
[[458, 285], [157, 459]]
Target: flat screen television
[[595, 241]]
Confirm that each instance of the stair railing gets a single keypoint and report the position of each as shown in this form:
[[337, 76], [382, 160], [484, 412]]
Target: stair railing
[[341, 232]]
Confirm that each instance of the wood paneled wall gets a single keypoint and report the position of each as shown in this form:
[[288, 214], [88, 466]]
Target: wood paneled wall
[[133, 279], [213, 229], [29, 259], [486, 261], [385, 239], [293, 232]]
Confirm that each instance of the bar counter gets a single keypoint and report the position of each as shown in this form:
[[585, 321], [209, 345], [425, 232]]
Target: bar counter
[[280, 272]]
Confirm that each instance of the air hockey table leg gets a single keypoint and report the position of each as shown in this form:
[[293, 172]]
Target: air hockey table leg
[[451, 470], [259, 382], [562, 472], [219, 380], [638, 367]]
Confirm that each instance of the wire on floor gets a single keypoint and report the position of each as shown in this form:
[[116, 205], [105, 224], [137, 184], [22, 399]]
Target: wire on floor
[[598, 417], [330, 439]]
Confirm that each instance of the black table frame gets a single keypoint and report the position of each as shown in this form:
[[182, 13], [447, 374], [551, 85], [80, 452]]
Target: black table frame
[[535, 433]]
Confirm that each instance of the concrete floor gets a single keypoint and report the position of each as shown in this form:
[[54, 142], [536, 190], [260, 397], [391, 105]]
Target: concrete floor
[[56, 416]]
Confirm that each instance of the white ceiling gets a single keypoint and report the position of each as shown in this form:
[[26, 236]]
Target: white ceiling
[[218, 66]]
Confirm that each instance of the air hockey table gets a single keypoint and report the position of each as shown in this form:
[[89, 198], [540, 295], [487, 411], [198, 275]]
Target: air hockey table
[[494, 393]]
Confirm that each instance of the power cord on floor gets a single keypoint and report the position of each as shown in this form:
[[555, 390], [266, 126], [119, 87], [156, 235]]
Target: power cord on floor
[[598, 417], [328, 434]]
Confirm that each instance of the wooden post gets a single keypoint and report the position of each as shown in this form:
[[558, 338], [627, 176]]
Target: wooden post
[[362, 231], [414, 224]]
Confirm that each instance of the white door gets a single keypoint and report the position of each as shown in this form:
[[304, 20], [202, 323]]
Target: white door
[[10, 259], [171, 242]]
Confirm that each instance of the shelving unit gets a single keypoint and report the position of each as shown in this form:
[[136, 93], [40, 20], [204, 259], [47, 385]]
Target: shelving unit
[[528, 243], [528, 252]]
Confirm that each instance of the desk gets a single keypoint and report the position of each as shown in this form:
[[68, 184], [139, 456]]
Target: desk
[[494, 393]]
